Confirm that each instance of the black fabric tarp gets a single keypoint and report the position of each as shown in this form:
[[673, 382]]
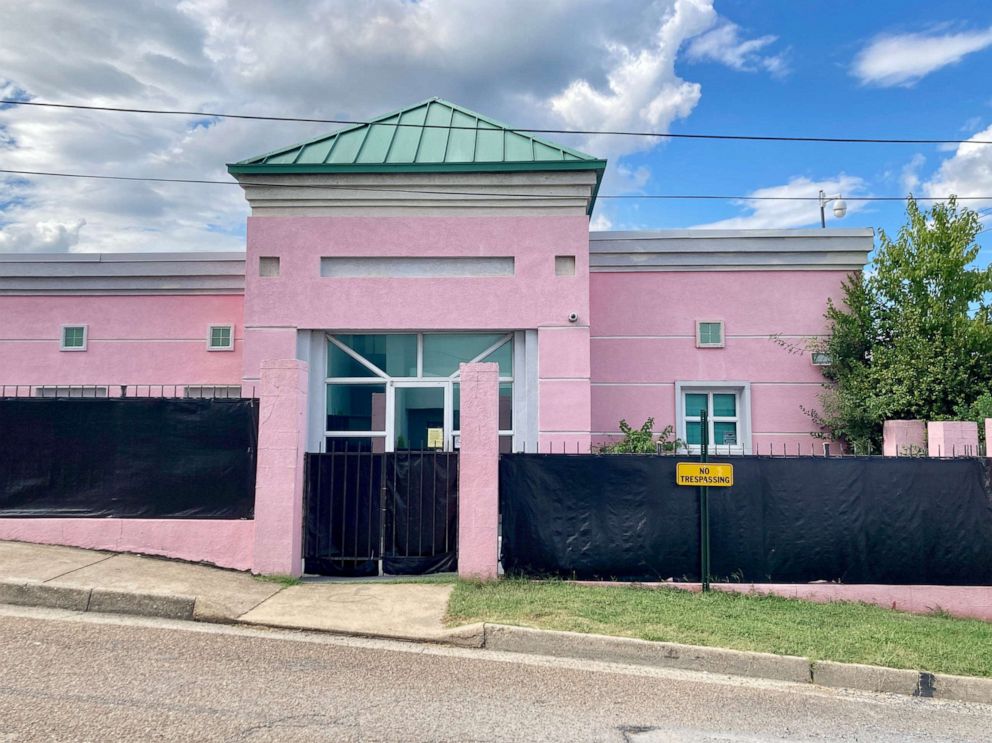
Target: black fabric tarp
[[128, 458], [887, 520], [422, 518], [349, 527]]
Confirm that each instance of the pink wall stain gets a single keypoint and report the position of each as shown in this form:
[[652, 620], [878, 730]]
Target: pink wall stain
[[225, 543], [150, 339], [478, 472], [279, 477]]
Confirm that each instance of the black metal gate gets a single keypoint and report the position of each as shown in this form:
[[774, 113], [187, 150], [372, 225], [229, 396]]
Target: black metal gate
[[396, 511]]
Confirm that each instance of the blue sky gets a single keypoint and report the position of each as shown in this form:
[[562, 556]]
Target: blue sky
[[838, 68]]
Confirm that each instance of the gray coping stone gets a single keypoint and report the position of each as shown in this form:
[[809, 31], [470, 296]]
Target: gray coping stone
[[167, 605], [50, 595], [963, 688], [646, 653], [866, 678]]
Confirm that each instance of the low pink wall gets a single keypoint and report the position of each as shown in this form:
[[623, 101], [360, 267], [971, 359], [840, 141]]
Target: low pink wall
[[478, 472], [140, 339], [952, 438], [227, 544], [903, 437], [973, 602]]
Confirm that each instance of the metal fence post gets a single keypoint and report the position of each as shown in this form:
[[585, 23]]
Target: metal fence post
[[704, 506]]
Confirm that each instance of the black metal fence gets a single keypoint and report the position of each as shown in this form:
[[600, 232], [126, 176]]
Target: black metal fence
[[368, 512], [890, 520]]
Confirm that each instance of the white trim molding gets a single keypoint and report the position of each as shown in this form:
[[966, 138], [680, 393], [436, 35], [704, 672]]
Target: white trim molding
[[731, 250], [743, 392]]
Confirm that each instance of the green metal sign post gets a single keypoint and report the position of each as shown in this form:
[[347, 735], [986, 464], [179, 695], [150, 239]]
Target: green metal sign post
[[704, 505]]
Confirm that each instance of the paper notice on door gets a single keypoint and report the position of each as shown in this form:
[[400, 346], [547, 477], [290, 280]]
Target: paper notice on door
[[435, 438]]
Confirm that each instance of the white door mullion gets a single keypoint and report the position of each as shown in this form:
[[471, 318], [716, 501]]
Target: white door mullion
[[390, 415]]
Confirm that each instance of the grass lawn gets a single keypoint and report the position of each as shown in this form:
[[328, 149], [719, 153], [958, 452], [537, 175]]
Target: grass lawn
[[852, 633]]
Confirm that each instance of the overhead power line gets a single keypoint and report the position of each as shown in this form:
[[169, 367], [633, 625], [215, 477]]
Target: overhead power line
[[604, 132], [444, 192]]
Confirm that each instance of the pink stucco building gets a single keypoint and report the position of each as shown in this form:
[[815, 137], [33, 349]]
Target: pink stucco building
[[384, 255]]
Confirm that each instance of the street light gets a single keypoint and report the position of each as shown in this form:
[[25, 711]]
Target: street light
[[840, 207]]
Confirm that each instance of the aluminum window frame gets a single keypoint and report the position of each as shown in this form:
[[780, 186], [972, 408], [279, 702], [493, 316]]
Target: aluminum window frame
[[451, 436]]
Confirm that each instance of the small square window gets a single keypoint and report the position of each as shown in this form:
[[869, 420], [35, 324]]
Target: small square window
[[220, 338], [564, 265], [73, 338], [268, 266], [820, 359], [709, 334]]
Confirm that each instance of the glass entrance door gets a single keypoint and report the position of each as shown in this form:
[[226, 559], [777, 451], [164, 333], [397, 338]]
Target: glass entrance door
[[421, 416]]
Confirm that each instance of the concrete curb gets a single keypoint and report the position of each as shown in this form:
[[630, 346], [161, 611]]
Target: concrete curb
[[76, 598], [645, 653], [511, 639], [632, 651]]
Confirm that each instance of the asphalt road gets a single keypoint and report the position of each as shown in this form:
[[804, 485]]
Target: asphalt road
[[86, 677]]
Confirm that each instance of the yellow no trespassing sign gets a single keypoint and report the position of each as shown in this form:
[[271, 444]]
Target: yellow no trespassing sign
[[709, 474]]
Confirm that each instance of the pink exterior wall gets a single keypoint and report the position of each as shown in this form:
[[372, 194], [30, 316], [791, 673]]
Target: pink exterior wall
[[132, 339], [228, 544], [478, 473], [900, 438], [643, 342], [952, 438], [533, 297]]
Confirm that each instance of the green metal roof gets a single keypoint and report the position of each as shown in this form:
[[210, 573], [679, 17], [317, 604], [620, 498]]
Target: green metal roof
[[432, 136]]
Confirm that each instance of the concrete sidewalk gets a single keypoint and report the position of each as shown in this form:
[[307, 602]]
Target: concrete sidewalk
[[90, 581], [87, 580]]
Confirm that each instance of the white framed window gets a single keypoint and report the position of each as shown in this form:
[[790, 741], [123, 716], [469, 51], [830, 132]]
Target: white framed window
[[728, 410], [819, 358], [709, 334], [73, 338], [220, 338]]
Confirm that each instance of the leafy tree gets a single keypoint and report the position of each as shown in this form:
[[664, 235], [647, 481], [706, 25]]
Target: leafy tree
[[913, 338]]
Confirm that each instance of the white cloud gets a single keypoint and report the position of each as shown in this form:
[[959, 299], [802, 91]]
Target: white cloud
[[967, 173], [43, 236], [725, 45], [642, 90], [573, 62], [600, 222], [786, 214], [910, 175], [905, 58]]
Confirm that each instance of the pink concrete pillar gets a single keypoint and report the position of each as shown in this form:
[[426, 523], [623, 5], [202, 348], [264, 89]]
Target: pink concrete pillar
[[279, 477], [952, 438], [988, 437], [478, 472], [901, 438]]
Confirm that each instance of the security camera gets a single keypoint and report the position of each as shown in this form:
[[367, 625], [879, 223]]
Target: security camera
[[572, 317], [840, 208]]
